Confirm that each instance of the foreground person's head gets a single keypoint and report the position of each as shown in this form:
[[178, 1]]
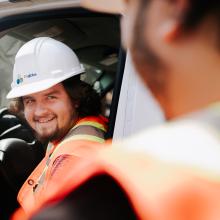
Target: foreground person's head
[[175, 48]]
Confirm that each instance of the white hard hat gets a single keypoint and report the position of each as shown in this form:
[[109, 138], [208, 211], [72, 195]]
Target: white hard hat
[[40, 64]]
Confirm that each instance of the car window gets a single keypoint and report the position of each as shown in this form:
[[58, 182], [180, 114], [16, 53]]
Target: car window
[[95, 39]]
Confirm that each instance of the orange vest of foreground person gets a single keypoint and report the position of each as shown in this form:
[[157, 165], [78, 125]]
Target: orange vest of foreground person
[[56, 163], [157, 189]]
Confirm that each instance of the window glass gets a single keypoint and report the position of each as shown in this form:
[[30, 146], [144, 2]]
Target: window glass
[[95, 40]]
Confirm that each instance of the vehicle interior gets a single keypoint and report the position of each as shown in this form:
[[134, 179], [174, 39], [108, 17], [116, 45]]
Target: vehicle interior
[[95, 38]]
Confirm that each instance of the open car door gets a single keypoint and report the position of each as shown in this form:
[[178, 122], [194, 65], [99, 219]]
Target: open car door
[[94, 37]]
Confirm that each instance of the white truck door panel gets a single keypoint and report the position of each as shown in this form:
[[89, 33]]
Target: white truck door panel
[[137, 109]]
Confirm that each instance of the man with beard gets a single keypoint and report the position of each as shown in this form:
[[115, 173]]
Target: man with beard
[[59, 107], [171, 171]]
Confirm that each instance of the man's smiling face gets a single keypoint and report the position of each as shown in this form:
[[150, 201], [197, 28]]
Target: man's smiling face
[[50, 113]]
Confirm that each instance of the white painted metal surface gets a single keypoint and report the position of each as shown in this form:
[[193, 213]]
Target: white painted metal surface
[[137, 108]]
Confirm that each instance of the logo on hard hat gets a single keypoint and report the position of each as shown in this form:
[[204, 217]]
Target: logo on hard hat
[[20, 79]]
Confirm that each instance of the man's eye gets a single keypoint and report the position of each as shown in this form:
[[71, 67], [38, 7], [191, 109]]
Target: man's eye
[[50, 97], [28, 101]]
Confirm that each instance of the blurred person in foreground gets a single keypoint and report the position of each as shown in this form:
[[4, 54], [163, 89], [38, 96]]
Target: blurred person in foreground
[[170, 171]]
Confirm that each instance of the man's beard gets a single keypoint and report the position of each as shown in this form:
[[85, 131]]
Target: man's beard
[[42, 138], [55, 136]]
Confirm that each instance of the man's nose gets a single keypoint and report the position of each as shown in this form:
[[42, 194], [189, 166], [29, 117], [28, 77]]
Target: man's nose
[[40, 109]]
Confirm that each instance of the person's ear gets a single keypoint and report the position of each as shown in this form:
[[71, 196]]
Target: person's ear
[[171, 27]]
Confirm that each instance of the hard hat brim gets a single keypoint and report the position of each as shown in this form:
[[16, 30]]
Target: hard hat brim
[[107, 6], [35, 87]]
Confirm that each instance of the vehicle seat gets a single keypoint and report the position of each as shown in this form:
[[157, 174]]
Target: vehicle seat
[[20, 153]]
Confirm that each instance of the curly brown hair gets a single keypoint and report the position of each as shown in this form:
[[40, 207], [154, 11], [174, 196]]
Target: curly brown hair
[[84, 95], [81, 93]]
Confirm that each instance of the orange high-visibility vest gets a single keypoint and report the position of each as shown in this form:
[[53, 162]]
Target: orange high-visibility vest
[[33, 187], [160, 183], [156, 190]]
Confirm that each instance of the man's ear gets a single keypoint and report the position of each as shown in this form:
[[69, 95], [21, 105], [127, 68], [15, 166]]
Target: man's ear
[[172, 25]]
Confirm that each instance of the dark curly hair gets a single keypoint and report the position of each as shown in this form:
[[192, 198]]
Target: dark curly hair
[[84, 95], [81, 93]]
